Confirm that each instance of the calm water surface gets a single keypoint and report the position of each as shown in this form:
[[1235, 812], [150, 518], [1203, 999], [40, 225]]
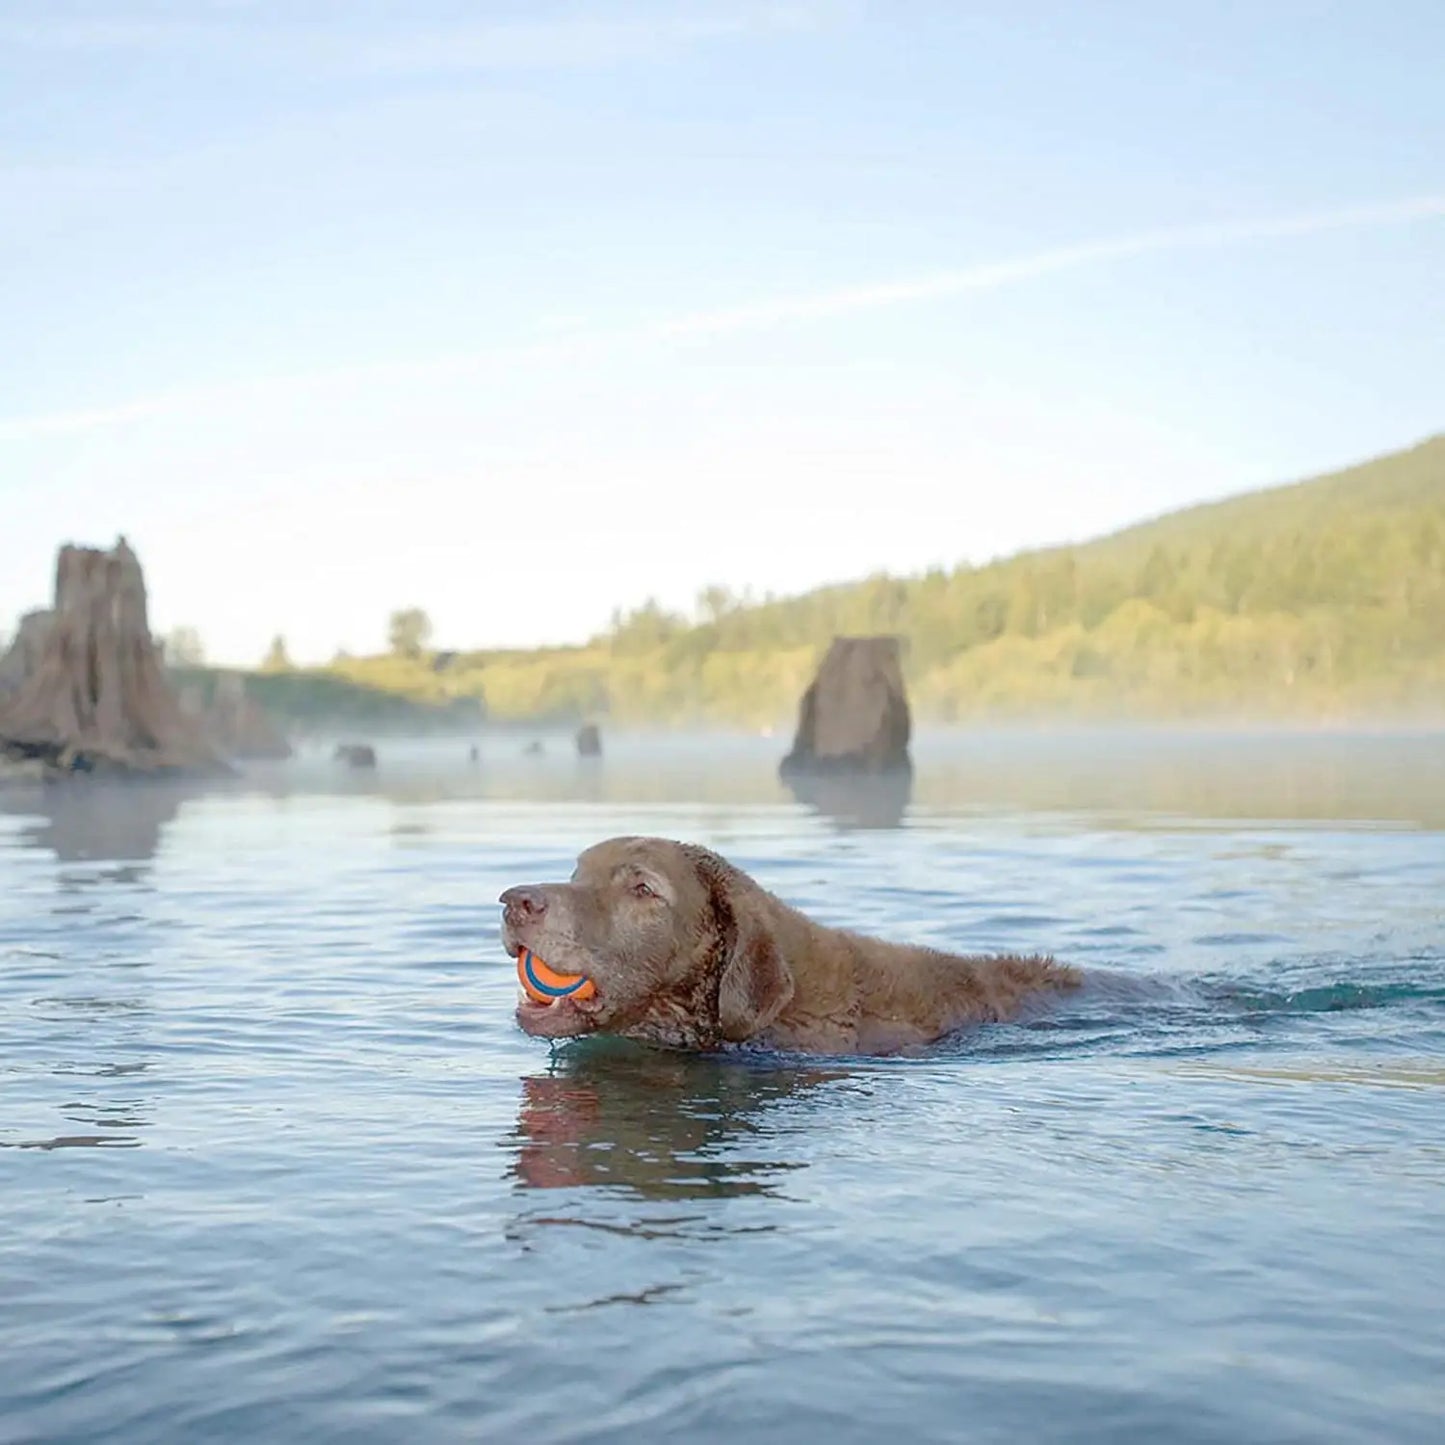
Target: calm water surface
[[275, 1163]]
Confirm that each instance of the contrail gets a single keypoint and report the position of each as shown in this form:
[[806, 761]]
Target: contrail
[[1041, 263], [757, 316]]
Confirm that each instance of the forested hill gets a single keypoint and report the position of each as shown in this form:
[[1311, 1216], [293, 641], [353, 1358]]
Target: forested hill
[[1326, 597]]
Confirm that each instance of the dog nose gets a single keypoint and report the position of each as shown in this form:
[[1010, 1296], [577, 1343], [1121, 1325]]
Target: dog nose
[[524, 903]]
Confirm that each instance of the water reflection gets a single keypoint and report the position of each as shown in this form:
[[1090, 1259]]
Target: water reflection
[[1194, 773], [94, 822], [866, 801], [1145, 773], [654, 1125]]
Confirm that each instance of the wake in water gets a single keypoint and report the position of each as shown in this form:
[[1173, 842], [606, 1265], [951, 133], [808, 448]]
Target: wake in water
[[1119, 1012]]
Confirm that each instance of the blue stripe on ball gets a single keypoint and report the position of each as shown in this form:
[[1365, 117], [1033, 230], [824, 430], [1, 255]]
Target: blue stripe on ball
[[551, 990]]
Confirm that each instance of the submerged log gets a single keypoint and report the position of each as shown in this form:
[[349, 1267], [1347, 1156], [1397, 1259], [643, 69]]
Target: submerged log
[[97, 697], [854, 716]]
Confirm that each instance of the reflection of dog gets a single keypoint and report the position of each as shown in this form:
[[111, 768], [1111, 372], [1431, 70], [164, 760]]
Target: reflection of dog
[[660, 1125], [686, 950], [554, 1123]]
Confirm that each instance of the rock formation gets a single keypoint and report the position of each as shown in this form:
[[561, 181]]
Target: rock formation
[[96, 697], [854, 716]]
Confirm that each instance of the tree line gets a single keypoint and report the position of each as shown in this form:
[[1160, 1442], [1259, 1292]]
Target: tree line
[[1324, 597]]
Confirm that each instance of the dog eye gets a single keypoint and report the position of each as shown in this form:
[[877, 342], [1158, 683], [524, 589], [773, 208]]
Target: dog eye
[[643, 890]]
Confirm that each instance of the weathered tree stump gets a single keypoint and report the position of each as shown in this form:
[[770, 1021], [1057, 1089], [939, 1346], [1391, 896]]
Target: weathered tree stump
[[97, 697], [854, 716], [239, 726], [24, 653]]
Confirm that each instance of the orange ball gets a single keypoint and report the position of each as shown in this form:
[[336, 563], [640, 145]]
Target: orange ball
[[545, 984]]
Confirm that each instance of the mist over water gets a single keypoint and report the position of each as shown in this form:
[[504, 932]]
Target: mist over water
[[275, 1162]]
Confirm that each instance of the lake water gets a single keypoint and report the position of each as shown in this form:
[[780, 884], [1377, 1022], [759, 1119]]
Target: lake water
[[275, 1163]]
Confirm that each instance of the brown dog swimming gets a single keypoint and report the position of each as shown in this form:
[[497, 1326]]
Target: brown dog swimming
[[688, 952]]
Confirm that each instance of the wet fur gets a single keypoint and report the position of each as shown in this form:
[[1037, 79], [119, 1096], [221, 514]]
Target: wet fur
[[714, 959]]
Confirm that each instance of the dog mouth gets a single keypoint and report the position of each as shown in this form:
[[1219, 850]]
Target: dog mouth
[[561, 1015], [557, 1018]]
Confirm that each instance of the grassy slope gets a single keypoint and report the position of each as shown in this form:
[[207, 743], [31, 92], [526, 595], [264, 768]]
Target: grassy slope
[[302, 698]]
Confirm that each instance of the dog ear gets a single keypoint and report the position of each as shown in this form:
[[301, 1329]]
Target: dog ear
[[755, 983], [755, 986]]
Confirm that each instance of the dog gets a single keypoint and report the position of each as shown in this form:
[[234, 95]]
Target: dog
[[687, 952]]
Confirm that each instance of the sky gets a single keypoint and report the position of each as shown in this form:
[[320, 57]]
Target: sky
[[524, 312]]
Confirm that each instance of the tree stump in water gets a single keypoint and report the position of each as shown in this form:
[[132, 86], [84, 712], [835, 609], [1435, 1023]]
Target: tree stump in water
[[854, 717], [24, 654], [589, 741], [240, 725], [97, 696]]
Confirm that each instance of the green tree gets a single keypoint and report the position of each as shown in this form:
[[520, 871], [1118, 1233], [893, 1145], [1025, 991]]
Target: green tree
[[409, 632], [714, 603], [1157, 576], [1323, 598], [183, 647], [645, 627], [277, 659]]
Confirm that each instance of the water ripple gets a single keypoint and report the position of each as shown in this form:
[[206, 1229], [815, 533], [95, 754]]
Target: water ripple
[[277, 1165]]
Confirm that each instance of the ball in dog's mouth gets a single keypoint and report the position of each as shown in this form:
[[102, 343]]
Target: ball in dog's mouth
[[545, 985]]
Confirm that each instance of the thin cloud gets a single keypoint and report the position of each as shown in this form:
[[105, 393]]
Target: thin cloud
[[1041, 263], [758, 316]]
